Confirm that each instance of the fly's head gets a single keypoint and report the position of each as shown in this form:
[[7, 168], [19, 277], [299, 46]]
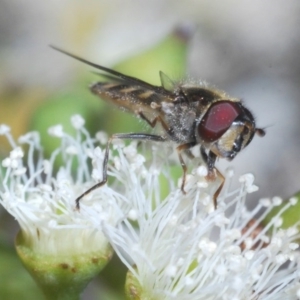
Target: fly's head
[[226, 128]]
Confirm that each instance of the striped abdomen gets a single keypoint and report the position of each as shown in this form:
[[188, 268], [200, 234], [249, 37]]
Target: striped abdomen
[[129, 97]]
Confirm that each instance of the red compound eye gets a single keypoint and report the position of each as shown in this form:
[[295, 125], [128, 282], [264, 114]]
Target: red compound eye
[[218, 119]]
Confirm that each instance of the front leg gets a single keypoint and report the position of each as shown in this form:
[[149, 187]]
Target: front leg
[[184, 147], [210, 160]]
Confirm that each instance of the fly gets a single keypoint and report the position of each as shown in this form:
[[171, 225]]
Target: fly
[[189, 115]]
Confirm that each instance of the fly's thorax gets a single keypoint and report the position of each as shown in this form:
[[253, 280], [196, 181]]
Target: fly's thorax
[[180, 118]]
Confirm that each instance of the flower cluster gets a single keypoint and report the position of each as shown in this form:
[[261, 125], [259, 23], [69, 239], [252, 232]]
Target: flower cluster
[[182, 251], [175, 247], [42, 199]]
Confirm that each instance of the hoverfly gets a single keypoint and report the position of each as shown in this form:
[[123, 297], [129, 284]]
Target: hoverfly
[[189, 115]]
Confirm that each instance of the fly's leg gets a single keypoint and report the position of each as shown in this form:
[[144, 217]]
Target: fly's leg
[[210, 160], [219, 189], [154, 121], [180, 148], [184, 147], [123, 136]]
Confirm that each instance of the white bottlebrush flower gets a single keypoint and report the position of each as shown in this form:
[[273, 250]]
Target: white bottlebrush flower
[[180, 248], [43, 201], [62, 248]]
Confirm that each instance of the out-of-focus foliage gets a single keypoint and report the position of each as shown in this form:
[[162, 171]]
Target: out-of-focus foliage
[[59, 108]]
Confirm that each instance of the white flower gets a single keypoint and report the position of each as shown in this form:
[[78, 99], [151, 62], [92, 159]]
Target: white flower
[[180, 248], [42, 200]]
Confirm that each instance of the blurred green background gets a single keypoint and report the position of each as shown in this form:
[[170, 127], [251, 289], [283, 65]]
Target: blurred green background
[[248, 48]]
